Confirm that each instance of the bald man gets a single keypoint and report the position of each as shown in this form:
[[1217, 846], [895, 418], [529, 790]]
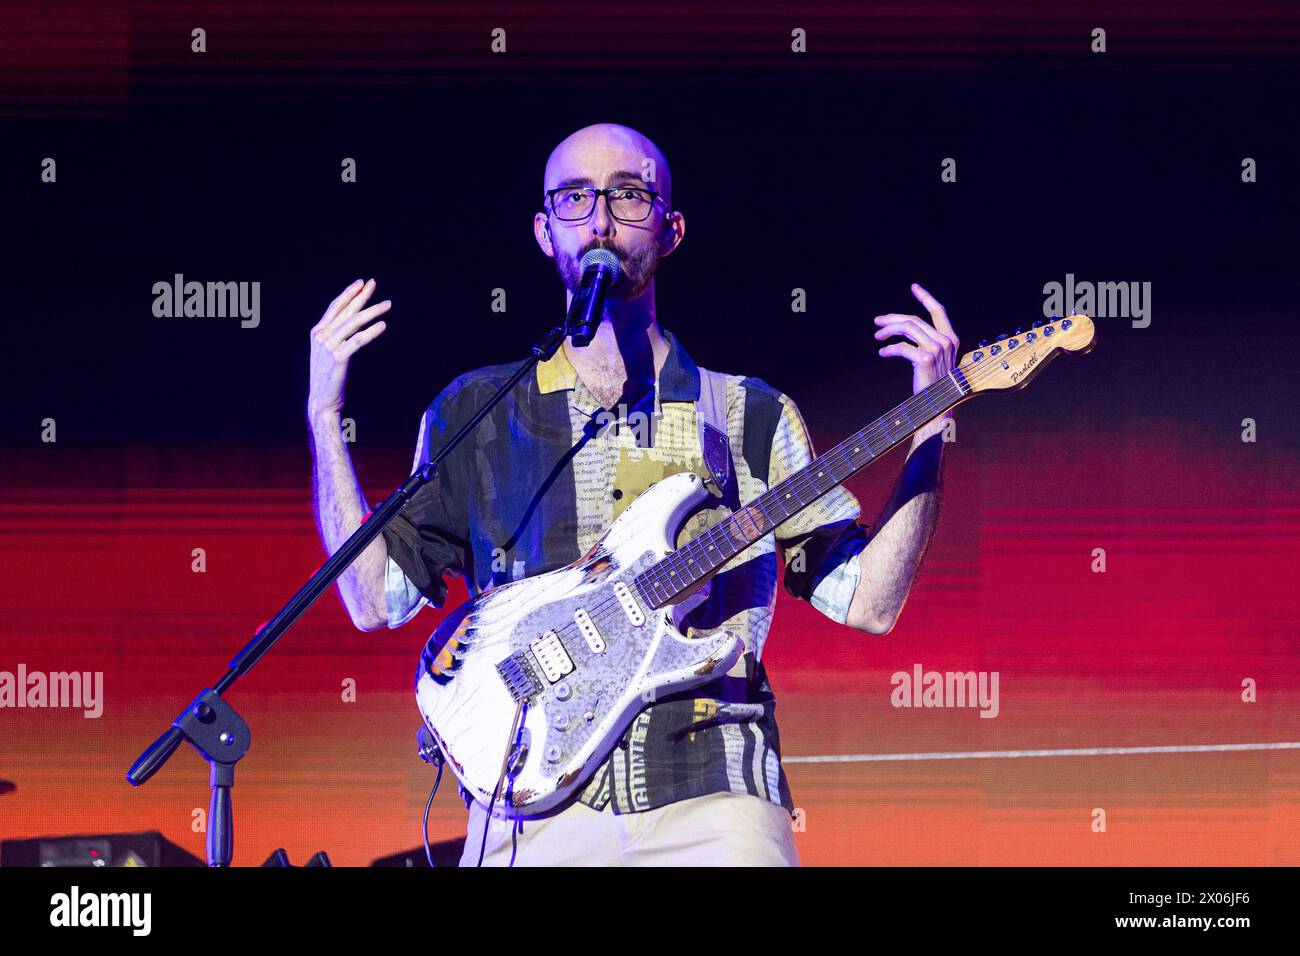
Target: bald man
[[697, 777]]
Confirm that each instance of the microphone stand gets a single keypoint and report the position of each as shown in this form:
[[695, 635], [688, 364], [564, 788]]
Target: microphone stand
[[209, 723]]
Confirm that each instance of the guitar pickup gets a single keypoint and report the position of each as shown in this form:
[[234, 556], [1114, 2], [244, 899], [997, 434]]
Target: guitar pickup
[[551, 655], [589, 633], [633, 610]]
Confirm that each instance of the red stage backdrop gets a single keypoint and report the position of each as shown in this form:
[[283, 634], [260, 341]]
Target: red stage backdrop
[[1196, 603]]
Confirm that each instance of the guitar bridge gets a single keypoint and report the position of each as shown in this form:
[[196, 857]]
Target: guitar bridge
[[518, 678]]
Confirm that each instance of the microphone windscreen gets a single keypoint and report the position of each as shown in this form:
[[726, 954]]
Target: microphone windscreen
[[602, 257]]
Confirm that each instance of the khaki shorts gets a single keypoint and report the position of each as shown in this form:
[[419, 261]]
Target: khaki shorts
[[717, 829]]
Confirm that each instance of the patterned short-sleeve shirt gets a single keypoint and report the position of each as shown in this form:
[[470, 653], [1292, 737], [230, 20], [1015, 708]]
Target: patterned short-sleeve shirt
[[543, 477]]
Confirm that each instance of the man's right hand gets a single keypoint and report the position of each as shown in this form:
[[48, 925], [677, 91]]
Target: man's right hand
[[340, 504], [334, 340]]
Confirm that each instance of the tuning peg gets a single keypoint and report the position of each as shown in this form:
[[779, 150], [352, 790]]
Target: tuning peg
[[983, 344], [1037, 325], [1003, 335], [1018, 331]]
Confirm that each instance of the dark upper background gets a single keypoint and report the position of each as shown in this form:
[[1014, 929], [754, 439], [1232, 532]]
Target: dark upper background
[[819, 171]]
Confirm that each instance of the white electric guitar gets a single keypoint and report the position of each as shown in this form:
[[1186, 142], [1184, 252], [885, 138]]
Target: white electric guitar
[[529, 686]]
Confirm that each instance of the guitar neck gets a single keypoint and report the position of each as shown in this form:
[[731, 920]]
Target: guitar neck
[[661, 583]]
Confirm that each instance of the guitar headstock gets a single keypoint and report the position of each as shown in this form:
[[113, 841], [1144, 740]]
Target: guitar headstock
[[1016, 357]]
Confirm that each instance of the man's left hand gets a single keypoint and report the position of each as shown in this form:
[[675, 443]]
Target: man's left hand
[[932, 348]]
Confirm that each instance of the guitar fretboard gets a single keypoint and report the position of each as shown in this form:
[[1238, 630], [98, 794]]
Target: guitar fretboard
[[662, 582]]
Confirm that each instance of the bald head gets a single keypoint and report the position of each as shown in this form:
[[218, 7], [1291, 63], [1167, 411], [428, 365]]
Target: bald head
[[608, 156], [605, 155]]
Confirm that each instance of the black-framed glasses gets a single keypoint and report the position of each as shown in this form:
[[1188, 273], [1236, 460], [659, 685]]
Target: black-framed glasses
[[626, 203]]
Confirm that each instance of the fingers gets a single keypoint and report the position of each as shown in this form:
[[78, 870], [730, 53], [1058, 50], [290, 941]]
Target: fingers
[[911, 326], [930, 351], [333, 308], [345, 325], [349, 301], [909, 352], [938, 314], [358, 300], [363, 338]]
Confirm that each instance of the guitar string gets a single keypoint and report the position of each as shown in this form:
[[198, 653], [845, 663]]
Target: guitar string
[[795, 484], [806, 489], [837, 454], [802, 485]]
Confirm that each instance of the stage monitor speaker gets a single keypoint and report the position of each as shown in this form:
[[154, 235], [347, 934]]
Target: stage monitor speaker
[[105, 849]]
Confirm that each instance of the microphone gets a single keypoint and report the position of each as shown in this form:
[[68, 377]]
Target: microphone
[[600, 270]]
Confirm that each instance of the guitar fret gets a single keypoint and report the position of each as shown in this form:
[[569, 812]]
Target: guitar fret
[[691, 562], [815, 488], [654, 583], [712, 545], [678, 571], [734, 533], [795, 491], [717, 545]]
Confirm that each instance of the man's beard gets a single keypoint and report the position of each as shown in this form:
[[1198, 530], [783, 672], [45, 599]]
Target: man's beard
[[635, 270]]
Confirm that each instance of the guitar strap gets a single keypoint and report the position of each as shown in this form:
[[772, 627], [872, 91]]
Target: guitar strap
[[711, 416], [722, 482]]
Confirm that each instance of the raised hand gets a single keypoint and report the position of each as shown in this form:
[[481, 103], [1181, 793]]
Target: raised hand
[[932, 348], [335, 339]]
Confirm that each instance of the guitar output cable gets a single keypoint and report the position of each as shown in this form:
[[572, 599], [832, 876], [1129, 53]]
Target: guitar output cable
[[428, 850], [430, 753]]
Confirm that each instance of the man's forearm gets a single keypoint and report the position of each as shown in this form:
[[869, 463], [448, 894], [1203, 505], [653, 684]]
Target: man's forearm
[[340, 508], [889, 562]]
